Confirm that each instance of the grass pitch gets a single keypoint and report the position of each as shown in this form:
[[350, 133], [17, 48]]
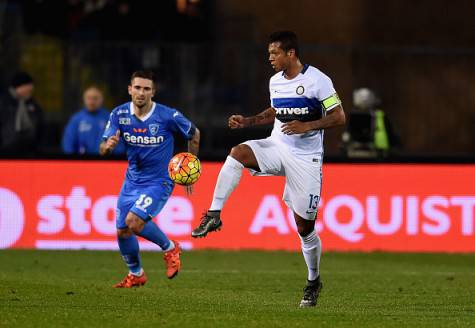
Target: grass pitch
[[236, 289]]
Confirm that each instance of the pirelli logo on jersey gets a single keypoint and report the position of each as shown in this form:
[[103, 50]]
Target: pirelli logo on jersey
[[297, 108], [143, 140], [292, 111]]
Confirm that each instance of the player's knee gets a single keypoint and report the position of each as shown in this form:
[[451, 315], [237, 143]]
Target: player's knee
[[134, 223], [304, 231], [237, 153], [240, 153], [124, 233], [305, 227]]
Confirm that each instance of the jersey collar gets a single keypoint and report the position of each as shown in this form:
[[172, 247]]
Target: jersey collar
[[146, 117], [304, 69]]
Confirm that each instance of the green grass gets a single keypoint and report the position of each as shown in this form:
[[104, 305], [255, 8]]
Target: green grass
[[245, 289]]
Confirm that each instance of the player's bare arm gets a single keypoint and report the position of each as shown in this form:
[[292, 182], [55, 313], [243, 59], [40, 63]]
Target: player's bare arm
[[109, 145], [265, 117], [334, 117], [194, 143]]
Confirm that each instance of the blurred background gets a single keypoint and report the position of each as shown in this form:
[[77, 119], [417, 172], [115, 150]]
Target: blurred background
[[412, 60]]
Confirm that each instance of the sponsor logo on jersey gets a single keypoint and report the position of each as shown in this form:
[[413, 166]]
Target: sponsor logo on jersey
[[300, 90], [123, 111], [124, 120], [140, 130], [142, 140], [292, 111], [153, 129]]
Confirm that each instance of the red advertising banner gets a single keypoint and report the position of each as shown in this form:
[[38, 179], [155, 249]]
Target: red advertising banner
[[364, 207]]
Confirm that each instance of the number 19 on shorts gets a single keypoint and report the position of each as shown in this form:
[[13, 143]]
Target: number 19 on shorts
[[143, 202]]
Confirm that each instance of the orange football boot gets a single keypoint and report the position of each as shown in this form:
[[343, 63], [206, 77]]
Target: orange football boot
[[132, 281], [172, 260]]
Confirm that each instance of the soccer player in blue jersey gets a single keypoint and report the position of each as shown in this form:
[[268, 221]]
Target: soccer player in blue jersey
[[303, 104], [148, 129]]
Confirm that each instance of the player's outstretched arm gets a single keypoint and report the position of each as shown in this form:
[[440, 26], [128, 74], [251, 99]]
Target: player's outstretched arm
[[265, 117], [194, 143], [106, 147], [333, 118]]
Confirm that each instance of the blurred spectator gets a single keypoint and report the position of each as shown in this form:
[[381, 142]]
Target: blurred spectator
[[21, 117], [83, 133], [369, 132]]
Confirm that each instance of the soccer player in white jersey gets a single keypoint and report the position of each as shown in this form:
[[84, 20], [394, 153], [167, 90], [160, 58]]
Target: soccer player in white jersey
[[303, 104]]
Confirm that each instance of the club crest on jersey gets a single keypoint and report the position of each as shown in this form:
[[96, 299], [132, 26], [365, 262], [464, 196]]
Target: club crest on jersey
[[153, 129], [300, 90]]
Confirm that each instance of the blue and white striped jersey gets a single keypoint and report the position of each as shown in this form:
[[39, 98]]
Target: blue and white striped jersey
[[304, 98]]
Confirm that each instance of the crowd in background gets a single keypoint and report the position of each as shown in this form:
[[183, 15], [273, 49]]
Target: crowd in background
[[118, 19], [369, 133], [210, 57], [22, 124]]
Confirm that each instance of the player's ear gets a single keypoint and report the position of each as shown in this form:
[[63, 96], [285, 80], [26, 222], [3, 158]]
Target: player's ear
[[129, 89]]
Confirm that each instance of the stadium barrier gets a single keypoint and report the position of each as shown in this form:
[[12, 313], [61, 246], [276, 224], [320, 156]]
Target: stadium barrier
[[364, 207]]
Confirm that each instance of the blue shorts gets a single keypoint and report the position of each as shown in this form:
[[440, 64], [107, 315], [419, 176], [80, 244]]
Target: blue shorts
[[144, 201]]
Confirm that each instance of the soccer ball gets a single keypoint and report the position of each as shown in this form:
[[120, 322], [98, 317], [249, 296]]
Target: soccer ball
[[184, 169]]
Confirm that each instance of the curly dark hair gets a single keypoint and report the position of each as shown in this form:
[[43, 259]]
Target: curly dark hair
[[288, 40]]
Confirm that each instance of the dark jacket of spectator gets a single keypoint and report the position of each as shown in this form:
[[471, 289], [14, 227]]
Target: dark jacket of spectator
[[21, 118]]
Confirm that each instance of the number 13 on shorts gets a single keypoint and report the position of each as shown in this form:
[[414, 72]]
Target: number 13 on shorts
[[313, 203]]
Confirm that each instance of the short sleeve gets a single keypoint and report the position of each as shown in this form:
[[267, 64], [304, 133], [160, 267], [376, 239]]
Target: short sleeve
[[183, 125], [111, 127], [326, 93]]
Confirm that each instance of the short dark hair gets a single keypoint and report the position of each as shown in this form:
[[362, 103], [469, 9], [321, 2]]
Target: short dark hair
[[144, 75], [21, 78], [288, 40]]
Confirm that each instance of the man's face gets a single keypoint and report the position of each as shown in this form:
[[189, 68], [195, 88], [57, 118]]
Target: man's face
[[141, 91], [92, 99], [24, 91], [278, 58]]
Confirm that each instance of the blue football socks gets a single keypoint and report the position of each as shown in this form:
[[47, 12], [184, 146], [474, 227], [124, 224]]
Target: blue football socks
[[152, 233], [129, 248]]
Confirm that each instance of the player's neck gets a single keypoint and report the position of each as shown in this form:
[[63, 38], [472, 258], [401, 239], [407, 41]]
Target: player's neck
[[293, 70], [142, 111]]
